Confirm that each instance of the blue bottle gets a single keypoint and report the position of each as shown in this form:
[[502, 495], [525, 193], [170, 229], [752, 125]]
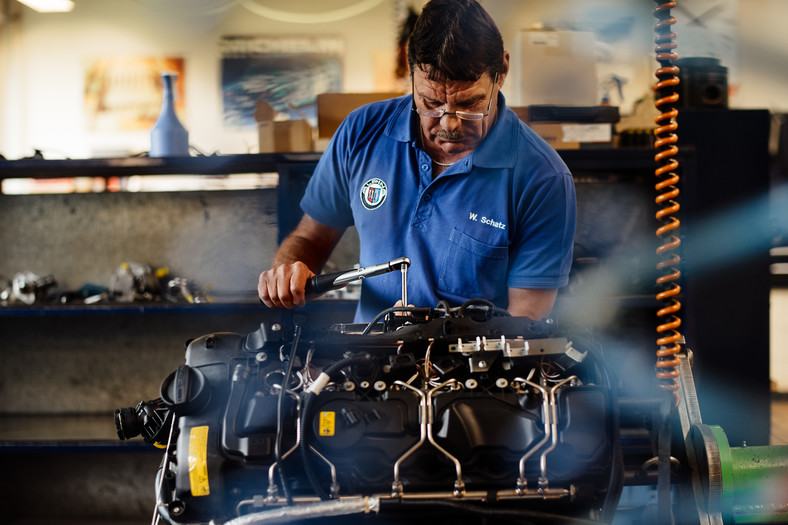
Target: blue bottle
[[168, 137]]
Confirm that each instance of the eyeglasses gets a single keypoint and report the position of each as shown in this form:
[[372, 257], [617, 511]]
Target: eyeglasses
[[463, 115]]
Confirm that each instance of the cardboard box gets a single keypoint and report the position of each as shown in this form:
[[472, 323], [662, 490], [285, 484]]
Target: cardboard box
[[281, 136], [553, 134], [332, 108], [570, 135]]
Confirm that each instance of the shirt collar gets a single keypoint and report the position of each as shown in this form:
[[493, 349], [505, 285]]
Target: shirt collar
[[498, 149]]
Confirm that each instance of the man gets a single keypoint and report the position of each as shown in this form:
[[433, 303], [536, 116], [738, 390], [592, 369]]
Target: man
[[448, 177]]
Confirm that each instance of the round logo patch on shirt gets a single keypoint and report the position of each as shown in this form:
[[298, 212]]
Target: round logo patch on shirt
[[373, 193]]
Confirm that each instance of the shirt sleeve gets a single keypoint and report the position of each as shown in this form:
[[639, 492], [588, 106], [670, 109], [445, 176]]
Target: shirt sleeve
[[326, 198], [541, 254]]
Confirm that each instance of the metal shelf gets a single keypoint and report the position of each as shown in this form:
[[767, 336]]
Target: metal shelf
[[64, 433], [160, 308], [581, 159], [106, 167]]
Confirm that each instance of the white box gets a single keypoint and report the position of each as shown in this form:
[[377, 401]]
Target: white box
[[557, 67]]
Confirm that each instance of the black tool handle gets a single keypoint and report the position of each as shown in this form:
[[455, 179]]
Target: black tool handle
[[323, 283], [332, 281]]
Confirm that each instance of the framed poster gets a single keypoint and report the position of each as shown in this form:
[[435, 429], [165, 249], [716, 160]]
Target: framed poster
[[287, 72]]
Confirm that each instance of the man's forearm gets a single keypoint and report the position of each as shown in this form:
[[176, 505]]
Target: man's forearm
[[533, 303], [310, 243], [296, 248]]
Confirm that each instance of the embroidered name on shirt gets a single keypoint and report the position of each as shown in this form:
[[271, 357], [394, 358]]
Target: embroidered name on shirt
[[489, 222]]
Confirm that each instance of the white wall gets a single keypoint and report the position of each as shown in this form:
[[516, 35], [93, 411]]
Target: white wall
[[45, 66], [43, 57], [763, 54], [779, 339]]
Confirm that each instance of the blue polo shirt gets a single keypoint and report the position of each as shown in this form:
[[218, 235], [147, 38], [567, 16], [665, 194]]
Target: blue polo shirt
[[503, 216]]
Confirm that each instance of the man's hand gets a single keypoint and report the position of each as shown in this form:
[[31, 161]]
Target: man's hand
[[283, 286], [398, 304], [308, 246]]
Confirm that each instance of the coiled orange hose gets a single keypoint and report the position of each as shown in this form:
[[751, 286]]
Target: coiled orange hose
[[670, 339]]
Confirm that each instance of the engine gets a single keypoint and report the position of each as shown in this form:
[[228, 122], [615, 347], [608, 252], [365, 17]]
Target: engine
[[437, 413]]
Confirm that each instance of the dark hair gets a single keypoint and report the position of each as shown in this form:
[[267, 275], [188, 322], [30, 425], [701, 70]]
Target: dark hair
[[457, 39]]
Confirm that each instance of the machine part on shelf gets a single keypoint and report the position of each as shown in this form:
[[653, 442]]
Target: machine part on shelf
[[670, 339], [6, 289], [178, 290], [140, 282], [29, 288], [133, 281], [181, 290], [121, 284]]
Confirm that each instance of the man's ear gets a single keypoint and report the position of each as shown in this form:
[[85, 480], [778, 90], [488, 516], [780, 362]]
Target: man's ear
[[504, 69]]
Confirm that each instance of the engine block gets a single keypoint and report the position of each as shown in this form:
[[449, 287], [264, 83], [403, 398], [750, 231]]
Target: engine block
[[502, 411]]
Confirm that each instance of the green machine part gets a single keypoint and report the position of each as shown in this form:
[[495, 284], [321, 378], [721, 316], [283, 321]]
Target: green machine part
[[742, 484]]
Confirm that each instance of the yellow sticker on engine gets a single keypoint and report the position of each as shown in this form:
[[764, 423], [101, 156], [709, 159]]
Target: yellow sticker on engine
[[198, 461], [328, 421]]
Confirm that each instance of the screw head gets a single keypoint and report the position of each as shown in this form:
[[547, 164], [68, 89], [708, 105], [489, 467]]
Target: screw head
[[177, 508]]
